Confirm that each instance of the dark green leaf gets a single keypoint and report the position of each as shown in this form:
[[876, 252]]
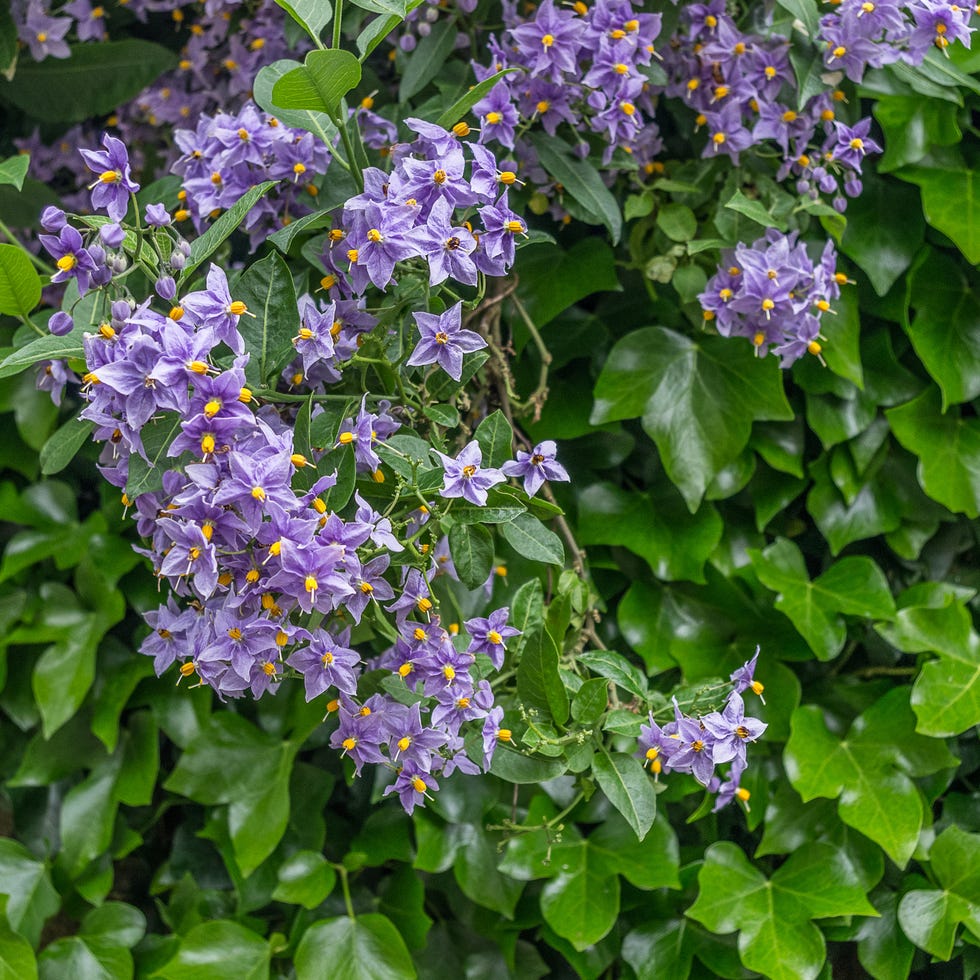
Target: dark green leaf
[[677, 222], [582, 181], [539, 684], [92, 82], [305, 879], [615, 667], [458, 110], [471, 546], [63, 446], [628, 787], [366, 948], [532, 540], [752, 209], [218, 950], [31, 898], [807, 13], [581, 904], [283, 238], [697, 399], [146, 475], [204, 247], [495, 437], [951, 204], [912, 127], [267, 290]]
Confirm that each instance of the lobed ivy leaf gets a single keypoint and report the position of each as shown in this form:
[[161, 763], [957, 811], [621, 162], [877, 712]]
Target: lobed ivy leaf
[[697, 400], [30, 896], [220, 950], [951, 204], [13, 170], [868, 771], [773, 917], [853, 586], [948, 448], [930, 916], [304, 878], [911, 128]]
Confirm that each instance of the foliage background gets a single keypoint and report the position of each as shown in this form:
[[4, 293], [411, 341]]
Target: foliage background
[[826, 514]]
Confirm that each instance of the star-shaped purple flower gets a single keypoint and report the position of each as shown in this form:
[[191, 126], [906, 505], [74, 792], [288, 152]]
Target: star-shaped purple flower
[[444, 341]]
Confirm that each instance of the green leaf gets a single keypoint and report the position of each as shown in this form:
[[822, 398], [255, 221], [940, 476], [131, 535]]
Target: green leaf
[[458, 110], [697, 399], [495, 436], [677, 222], [366, 948], [951, 204], [394, 8], [62, 447], [305, 879], [553, 279], [532, 540], [13, 170], [475, 870], [87, 817], [590, 701], [471, 546], [283, 238], [427, 59], [92, 82], [776, 936], [948, 448], [929, 917], [806, 12], [267, 290], [628, 787], [20, 285], [513, 767], [854, 586], [752, 209], [539, 684], [658, 527], [318, 123], [945, 326], [17, 960], [218, 950], [235, 763], [311, 15], [320, 83], [615, 667], [146, 475], [379, 28], [31, 898], [204, 247], [912, 127], [8, 40], [581, 904], [868, 771], [582, 181]]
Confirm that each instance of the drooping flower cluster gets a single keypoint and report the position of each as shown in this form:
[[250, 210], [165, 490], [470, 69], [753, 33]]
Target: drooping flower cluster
[[226, 155], [774, 294], [697, 745]]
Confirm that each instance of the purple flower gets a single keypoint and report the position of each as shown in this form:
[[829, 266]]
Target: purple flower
[[157, 215], [327, 662], [114, 184], [412, 786], [731, 730], [45, 35], [447, 248], [444, 341], [488, 635], [464, 477], [853, 143], [536, 466]]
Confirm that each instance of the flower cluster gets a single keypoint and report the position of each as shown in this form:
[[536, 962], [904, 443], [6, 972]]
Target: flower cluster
[[411, 213], [226, 155], [697, 745], [774, 294]]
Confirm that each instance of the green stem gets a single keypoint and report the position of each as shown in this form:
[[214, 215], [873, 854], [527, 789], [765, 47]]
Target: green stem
[[270, 395], [345, 885], [138, 251], [341, 125], [39, 264], [338, 14]]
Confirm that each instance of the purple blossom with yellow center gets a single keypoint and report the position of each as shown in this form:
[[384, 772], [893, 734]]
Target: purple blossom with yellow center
[[114, 184], [443, 341], [466, 477]]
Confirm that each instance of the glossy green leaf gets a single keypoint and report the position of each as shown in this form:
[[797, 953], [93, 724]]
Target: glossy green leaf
[[854, 586], [318, 123], [911, 127], [476, 873], [471, 546], [311, 15], [235, 763], [806, 12], [582, 182], [366, 948], [751, 208], [951, 204], [62, 447], [930, 917], [539, 685], [495, 436], [17, 960], [204, 247], [697, 400], [20, 285], [659, 528], [948, 447], [581, 903], [218, 950], [629, 788], [320, 83], [92, 82], [305, 879], [554, 278], [531, 539], [31, 897], [945, 326], [776, 936], [458, 110], [267, 290], [590, 700], [869, 770], [677, 222]]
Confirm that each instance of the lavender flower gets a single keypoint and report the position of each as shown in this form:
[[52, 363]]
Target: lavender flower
[[464, 477], [444, 341], [536, 466]]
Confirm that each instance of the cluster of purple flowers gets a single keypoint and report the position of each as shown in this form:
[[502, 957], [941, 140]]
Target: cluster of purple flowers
[[774, 294], [697, 745], [419, 211], [225, 155]]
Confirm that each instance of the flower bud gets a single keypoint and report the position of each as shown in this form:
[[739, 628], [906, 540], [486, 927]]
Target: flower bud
[[60, 324], [177, 259], [53, 219], [166, 287], [157, 215], [112, 235]]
